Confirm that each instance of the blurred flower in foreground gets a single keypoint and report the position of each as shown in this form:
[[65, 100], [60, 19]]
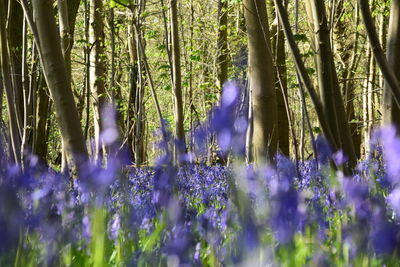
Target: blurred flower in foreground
[[386, 136]]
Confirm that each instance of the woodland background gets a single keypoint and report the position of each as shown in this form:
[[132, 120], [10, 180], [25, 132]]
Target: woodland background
[[199, 133], [63, 61]]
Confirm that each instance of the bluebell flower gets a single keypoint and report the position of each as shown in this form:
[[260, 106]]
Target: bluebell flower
[[114, 227], [86, 228], [324, 149], [385, 237], [340, 158], [391, 151]]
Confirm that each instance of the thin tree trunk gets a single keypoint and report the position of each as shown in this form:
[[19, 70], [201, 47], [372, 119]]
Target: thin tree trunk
[[15, 38], [278, 48], [136, 106], [328, 82], [222, 45], [391, 112], [349, 87], [42, 120], [15, 136], [97, 72], [64, 33], [390, 77], [88, 48], [370, 103], [250, 129], [302, 71], [365, 102], [142, 58], [177, 79], [191, 100], [1, 101], [29, 98], [133, 86]]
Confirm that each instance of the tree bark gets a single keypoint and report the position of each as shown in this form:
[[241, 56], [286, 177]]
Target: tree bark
[[15, 42], [367, 109], [42, 112], [262, 82], [303, 75], [56, 75], [177, 79], [391, 112], [278, 48], [222, 45], [97, 71], [65, 34], [390, 77], [135, 115], [328, 81], [15, 135]]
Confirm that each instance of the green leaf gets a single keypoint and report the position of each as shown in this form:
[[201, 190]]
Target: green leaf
[[164, 67], [300, 37], [161, 47], [316, 130], [151, 34], [119, 3]]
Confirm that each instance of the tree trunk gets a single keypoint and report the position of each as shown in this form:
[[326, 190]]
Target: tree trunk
[[328, 81], [15, 135], [97, 71], [15, 42], [367, 101], [390, 77], [349, 85], [42, 112], [303, 75], [391, 112], [262, 82], [65, 34], [135, 116], [177, 77], [223, 53], [278, 48], [57, 80], [1, 102], [29, 86]]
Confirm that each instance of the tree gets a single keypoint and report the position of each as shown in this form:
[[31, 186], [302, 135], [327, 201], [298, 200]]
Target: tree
[[11, 89], [303, 74], [177, 77], [47, 39], [97, 71], [222, 45], [328, 80], [390, 78], [390, 110], [279, 53], [262, 81]]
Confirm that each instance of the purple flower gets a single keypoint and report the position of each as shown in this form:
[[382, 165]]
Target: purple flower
[[340, 158], [86, 229], [385, 238], [230, 94], [391, 151], [394, 201], [323, 148], [114, 227]]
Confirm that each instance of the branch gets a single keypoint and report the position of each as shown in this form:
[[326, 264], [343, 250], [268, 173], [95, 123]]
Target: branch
[[377, 50], [305, 78]]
